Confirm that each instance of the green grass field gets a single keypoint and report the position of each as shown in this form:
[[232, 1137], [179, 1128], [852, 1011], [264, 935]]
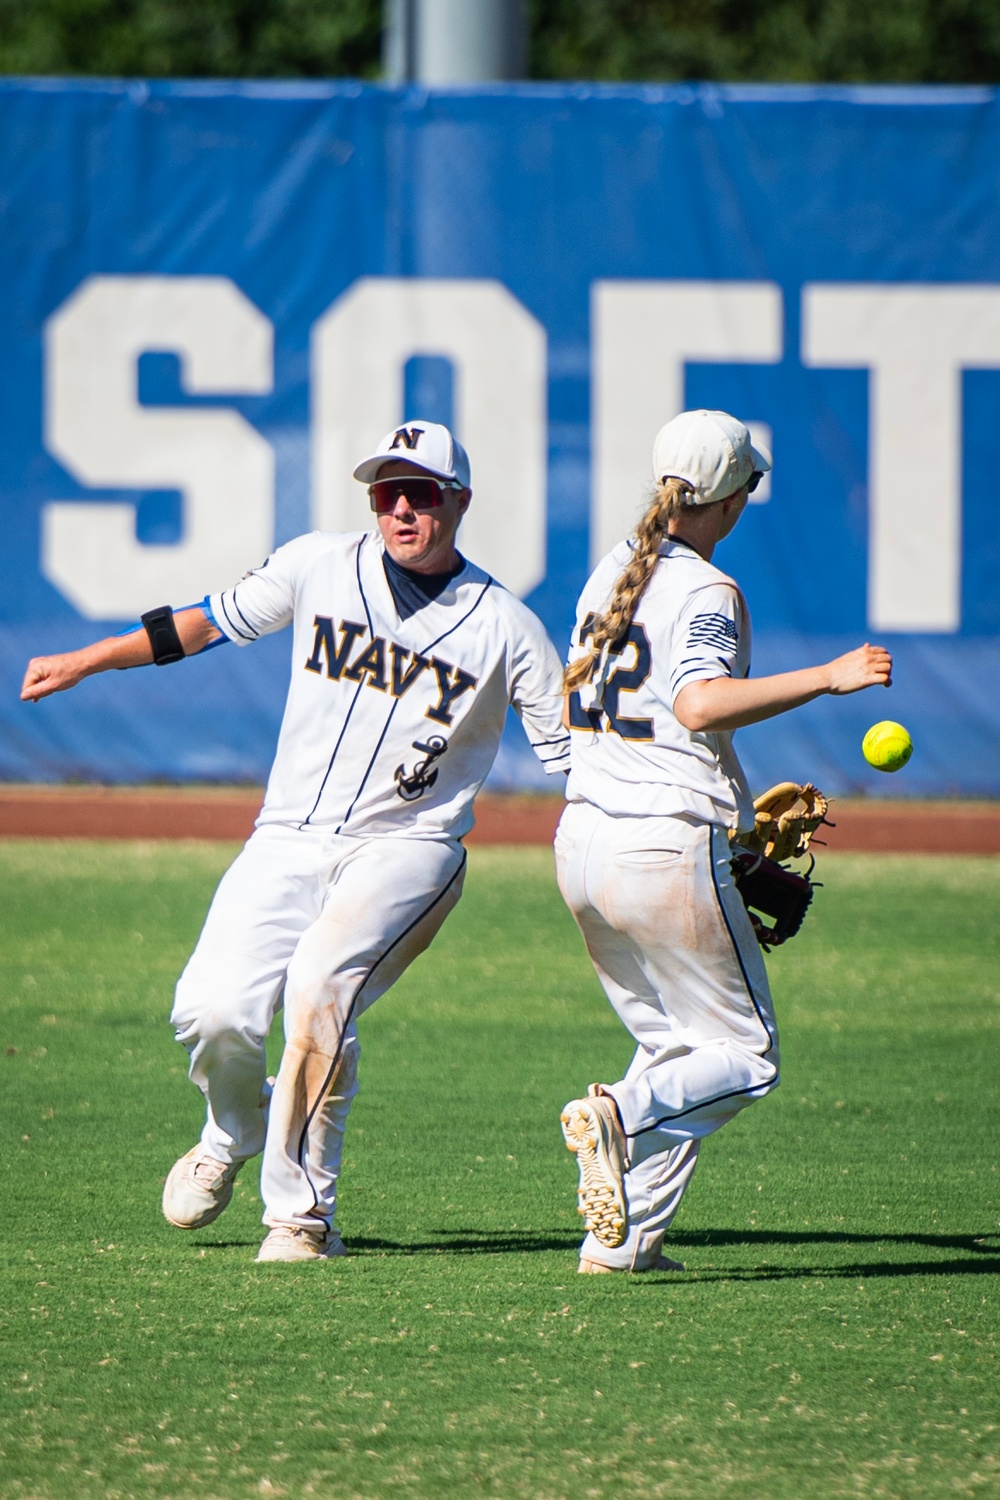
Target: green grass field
[[835, 1333]]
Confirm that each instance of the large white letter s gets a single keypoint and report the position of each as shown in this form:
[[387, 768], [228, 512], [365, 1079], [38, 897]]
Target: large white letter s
[[97, 429]]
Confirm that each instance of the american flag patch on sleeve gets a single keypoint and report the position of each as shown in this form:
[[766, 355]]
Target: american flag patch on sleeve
[[713, 632]]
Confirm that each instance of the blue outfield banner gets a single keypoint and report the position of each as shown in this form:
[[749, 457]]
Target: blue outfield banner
[[216, 297]]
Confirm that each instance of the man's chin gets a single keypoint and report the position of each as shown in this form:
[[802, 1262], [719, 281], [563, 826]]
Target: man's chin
[[408, 553]]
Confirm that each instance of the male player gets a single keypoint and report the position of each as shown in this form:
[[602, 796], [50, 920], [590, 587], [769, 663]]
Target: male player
[[405, 659]]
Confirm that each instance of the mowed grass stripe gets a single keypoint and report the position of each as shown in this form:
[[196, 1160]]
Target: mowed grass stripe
[[835, 1333]]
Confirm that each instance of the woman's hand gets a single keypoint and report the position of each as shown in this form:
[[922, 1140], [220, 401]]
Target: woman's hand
[[725, 703], [868, 666]]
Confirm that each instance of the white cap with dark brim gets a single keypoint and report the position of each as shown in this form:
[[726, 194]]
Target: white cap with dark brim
[[710, 451], [426, 445]]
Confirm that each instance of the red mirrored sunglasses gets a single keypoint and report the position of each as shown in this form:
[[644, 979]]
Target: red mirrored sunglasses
[[419, 490]]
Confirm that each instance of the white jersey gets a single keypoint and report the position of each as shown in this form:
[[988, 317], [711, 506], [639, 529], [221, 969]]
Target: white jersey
[[391, 725], [630, 755]]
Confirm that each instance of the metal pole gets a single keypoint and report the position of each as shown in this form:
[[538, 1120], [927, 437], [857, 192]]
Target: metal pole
[[441, 42], [398, 35]]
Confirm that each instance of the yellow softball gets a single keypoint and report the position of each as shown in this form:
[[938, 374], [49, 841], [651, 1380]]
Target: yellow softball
[[887, 746]]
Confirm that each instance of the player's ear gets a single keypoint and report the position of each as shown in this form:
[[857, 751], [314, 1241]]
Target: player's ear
[[732, 507], [463, 501]]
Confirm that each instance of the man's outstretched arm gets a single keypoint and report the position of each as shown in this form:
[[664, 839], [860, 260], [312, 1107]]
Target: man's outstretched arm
[[54, 674]]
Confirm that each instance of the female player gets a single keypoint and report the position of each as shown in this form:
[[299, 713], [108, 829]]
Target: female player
[[656, 684]]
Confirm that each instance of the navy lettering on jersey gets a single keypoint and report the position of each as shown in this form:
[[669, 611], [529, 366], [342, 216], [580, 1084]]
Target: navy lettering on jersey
[[336, 656], [449, 689], [369, 666], [404, 676], [372, 661]]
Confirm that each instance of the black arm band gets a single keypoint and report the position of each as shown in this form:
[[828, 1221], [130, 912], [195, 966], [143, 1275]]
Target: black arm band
[[163, 637]]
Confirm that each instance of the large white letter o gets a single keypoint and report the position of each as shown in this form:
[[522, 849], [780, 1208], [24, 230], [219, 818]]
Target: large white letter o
[[360, 347]]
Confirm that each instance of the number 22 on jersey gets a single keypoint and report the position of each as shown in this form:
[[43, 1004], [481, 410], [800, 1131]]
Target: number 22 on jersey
[[628, 677]]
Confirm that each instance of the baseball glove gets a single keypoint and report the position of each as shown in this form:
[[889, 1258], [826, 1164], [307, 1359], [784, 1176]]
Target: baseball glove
[[787, 817]]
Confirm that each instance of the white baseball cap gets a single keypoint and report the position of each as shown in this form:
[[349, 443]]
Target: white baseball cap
[[426, 445], [711, 451]]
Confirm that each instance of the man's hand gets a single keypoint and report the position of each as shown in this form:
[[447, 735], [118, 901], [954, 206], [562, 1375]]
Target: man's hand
[[53, 674], [868, 666]]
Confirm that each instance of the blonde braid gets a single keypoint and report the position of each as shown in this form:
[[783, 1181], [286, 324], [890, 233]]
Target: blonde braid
[[672, 497]]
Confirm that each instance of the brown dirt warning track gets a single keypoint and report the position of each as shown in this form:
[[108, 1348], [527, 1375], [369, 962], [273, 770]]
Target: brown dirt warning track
[[229, 813]]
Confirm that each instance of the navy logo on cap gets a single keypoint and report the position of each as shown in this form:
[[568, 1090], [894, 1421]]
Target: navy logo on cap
[[406, 437]]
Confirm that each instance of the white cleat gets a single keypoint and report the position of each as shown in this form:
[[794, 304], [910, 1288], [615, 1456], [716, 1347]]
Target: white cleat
[[594, 1134], [595, 1268], [286, 1243], [197, 1189]]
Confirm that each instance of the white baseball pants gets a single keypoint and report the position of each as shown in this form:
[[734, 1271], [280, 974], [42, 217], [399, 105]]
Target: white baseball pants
[[672, 944], [323, 925]]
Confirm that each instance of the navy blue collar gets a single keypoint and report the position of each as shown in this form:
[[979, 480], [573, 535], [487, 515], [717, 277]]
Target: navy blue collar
[[410, 590]]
